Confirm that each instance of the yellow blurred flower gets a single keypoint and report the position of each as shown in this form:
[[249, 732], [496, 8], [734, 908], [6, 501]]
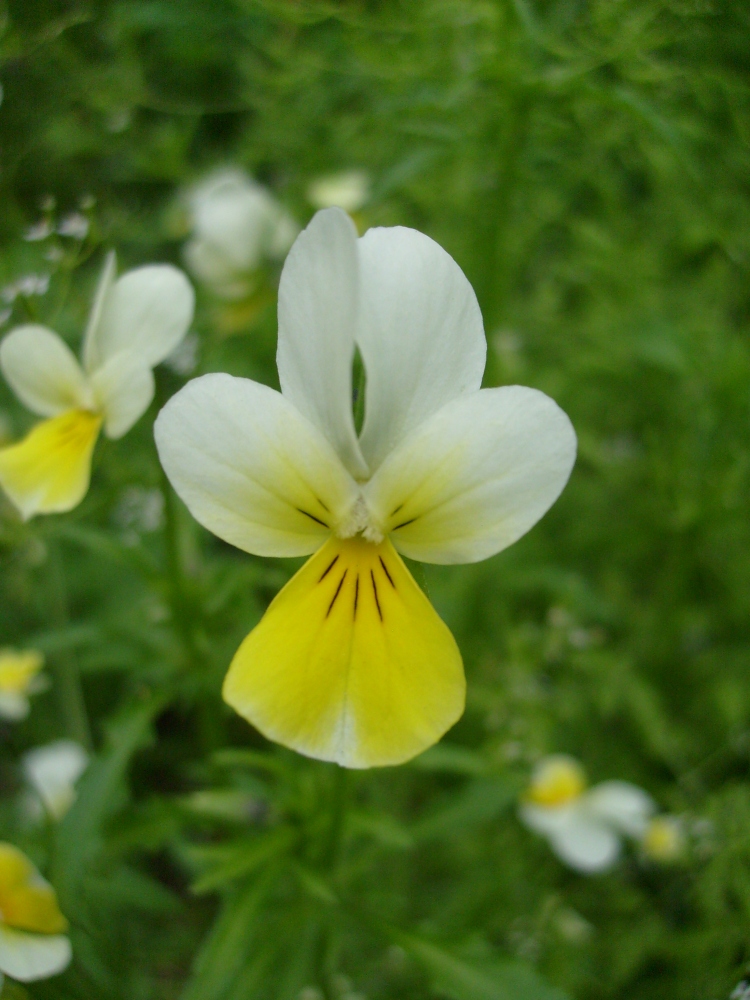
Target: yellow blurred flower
[[33, 944], [663, 839], [20, 676]]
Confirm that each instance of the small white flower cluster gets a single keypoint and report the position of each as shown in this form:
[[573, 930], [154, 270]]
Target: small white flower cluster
[[28, 285], [75, 225]]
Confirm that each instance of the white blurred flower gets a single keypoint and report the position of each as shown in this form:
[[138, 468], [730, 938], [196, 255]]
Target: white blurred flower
[[663, 839], [28, 285], [236, 225], [139, 511], [39, 231], [19, 677], [349, 190], [584, 827], [74, 225], [52, 772]]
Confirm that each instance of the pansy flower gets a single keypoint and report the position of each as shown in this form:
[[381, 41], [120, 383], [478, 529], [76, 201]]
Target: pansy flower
[[33, 944], [351, 663], [135, 322], [20, 676], [584, 826]]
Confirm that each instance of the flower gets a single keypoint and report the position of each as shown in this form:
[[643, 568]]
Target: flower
[[663, 839], [236, 225], [584, 827], [52, 772], [351, 663], [19, 677], [349, 190], [135, 322], [32, 939]]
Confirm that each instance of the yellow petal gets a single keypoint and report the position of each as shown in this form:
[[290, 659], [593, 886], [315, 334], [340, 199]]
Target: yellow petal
[[18, 669], [350, 663], [27, 901], [557, 781], [49, 471]]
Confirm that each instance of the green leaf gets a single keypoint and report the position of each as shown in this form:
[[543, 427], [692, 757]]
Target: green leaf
[[100, 791], [482, 800], [245, 857], [229, 944], [464, 979]]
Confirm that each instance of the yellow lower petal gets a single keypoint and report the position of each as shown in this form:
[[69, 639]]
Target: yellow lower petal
[[27, 901], [350, 663], [49, 471]]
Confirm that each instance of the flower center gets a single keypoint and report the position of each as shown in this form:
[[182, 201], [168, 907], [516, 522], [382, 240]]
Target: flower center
[[359, 522], [557, 783]]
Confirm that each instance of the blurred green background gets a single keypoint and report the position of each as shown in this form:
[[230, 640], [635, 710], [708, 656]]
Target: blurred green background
[[587, 163]]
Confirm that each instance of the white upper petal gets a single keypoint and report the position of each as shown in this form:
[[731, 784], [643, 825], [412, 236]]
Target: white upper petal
[[124, 387], [251, 468], [26, 957], [625, 807], [91, 354], [474, 477], [318, 295], [585, 844], [147, 311], [43, 371], [420, 333]]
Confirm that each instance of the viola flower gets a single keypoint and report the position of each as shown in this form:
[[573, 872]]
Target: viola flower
[[19, 677], [135, 322], [52, 772], [33, 944], [237, 224], [350, 662], [584, 827]]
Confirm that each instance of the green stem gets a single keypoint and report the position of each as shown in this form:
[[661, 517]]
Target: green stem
[[326, 957], [180, 604], [67, 677]]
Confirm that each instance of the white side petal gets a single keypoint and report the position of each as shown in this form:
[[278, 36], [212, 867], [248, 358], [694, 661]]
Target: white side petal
[[547, 821], [124, 387], [251, 468], [42, 371], [625, 807], [91, 355], [420, 333], [147, 311], [26, 957], [586, 845], [317, 315], [474, 477]]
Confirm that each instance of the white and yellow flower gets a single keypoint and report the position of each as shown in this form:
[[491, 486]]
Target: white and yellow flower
[[20, 677], [584, 826], [236, 224], [33, 944], [351, 663], [135, 322], [52, 772], [349, 190]]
